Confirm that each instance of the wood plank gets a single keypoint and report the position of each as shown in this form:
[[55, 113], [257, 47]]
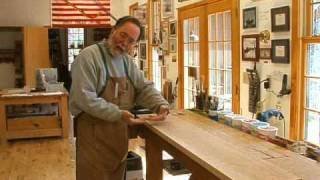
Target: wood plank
[[21, 134], [33, 122], [226, 152], [41, 159]]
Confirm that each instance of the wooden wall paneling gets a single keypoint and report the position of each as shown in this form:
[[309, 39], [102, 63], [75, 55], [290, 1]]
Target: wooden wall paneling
[[36, 52]]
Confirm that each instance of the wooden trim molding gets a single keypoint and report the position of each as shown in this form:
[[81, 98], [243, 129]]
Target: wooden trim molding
[[296, 107]]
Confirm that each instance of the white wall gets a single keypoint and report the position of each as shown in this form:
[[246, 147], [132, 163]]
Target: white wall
[[38, 12], [25, 12], [266, 68]]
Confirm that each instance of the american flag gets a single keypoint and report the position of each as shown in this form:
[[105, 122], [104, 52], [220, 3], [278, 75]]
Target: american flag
[[80, 13]]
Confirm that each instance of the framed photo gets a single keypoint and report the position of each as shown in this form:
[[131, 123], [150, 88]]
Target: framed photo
[[249, 18], [250, 47], [143, 33], [172, 28], [280, 19], [280, 51], [142, 50], [167, 8], [141, 14], [265, 53], [173, 45], [164, 38]]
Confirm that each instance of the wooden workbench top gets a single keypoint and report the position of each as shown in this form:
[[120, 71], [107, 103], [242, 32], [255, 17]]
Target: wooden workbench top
[[230, 153]]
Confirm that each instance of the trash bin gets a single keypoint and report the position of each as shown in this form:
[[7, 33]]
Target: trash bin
[[134, 167]]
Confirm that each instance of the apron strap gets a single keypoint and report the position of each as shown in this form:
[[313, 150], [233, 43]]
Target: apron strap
[[127, 73], [105, 66]]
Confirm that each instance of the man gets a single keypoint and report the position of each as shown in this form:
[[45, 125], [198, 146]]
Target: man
[[105, 86]]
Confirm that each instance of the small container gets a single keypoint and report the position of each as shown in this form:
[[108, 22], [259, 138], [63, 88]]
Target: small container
[[254, 127], [237, 121], [269, 131], [246, 124]]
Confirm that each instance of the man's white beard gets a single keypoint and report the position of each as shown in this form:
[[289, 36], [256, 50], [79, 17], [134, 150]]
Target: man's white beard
[[114, 50]]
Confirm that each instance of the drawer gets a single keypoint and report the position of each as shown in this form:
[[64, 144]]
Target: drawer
[[33, 122]]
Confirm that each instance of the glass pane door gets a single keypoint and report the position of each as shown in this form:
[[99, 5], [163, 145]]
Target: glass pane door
[[312, 98], [191, 44], [220, 58]]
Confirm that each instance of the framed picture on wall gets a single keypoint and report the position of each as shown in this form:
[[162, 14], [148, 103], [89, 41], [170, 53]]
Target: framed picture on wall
[[249, 18], [280, 19], [250, 47], [265, 53], [172, 28], [164, 38], [142, 50], [173, 45], [280, 51], [167, 8]]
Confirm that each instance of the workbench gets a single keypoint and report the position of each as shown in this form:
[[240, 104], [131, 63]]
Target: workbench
[[34, 126], [211, 150]]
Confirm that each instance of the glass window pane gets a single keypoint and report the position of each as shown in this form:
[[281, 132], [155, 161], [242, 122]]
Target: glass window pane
[[196, 30], [212, 53], [185, 31], [312, 93], [227, 26], [196, 54], [228, 55], [313, 61], [312, 127], [220, 57], [186, 54], [316, 20], [219, 27], [212, 27], [228, 83]]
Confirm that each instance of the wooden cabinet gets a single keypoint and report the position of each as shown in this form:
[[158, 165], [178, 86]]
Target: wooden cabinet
[[34, 126]]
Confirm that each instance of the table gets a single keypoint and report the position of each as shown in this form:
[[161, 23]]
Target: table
[[34, 126], [211, 150]]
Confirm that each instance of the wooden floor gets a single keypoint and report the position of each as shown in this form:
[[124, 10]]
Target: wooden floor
[[49, 159], [40, 159]]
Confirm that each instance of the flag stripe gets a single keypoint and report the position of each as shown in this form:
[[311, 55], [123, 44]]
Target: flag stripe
[[80, 13]]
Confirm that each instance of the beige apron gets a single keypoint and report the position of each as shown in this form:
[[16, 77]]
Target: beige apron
[[102, 146]]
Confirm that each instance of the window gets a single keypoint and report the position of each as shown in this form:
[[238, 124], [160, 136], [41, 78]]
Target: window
[[220, 60], [209, 54], [75, 44], [310, 77], [191, 44]]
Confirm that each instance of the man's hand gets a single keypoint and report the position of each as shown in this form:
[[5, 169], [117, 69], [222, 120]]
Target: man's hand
[[129, 118], [162, 115]]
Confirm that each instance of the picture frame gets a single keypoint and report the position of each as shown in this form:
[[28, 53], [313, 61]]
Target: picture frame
[[173, 45], [280, 19], [265, 53], [141, 14], [250, 47], [142, 50], [280, 51], [167, 8], [249, 18], [164, 38], [172, 28], [143, 33]]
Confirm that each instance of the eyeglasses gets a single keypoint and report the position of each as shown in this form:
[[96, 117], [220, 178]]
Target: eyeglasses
[[129, 39]]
